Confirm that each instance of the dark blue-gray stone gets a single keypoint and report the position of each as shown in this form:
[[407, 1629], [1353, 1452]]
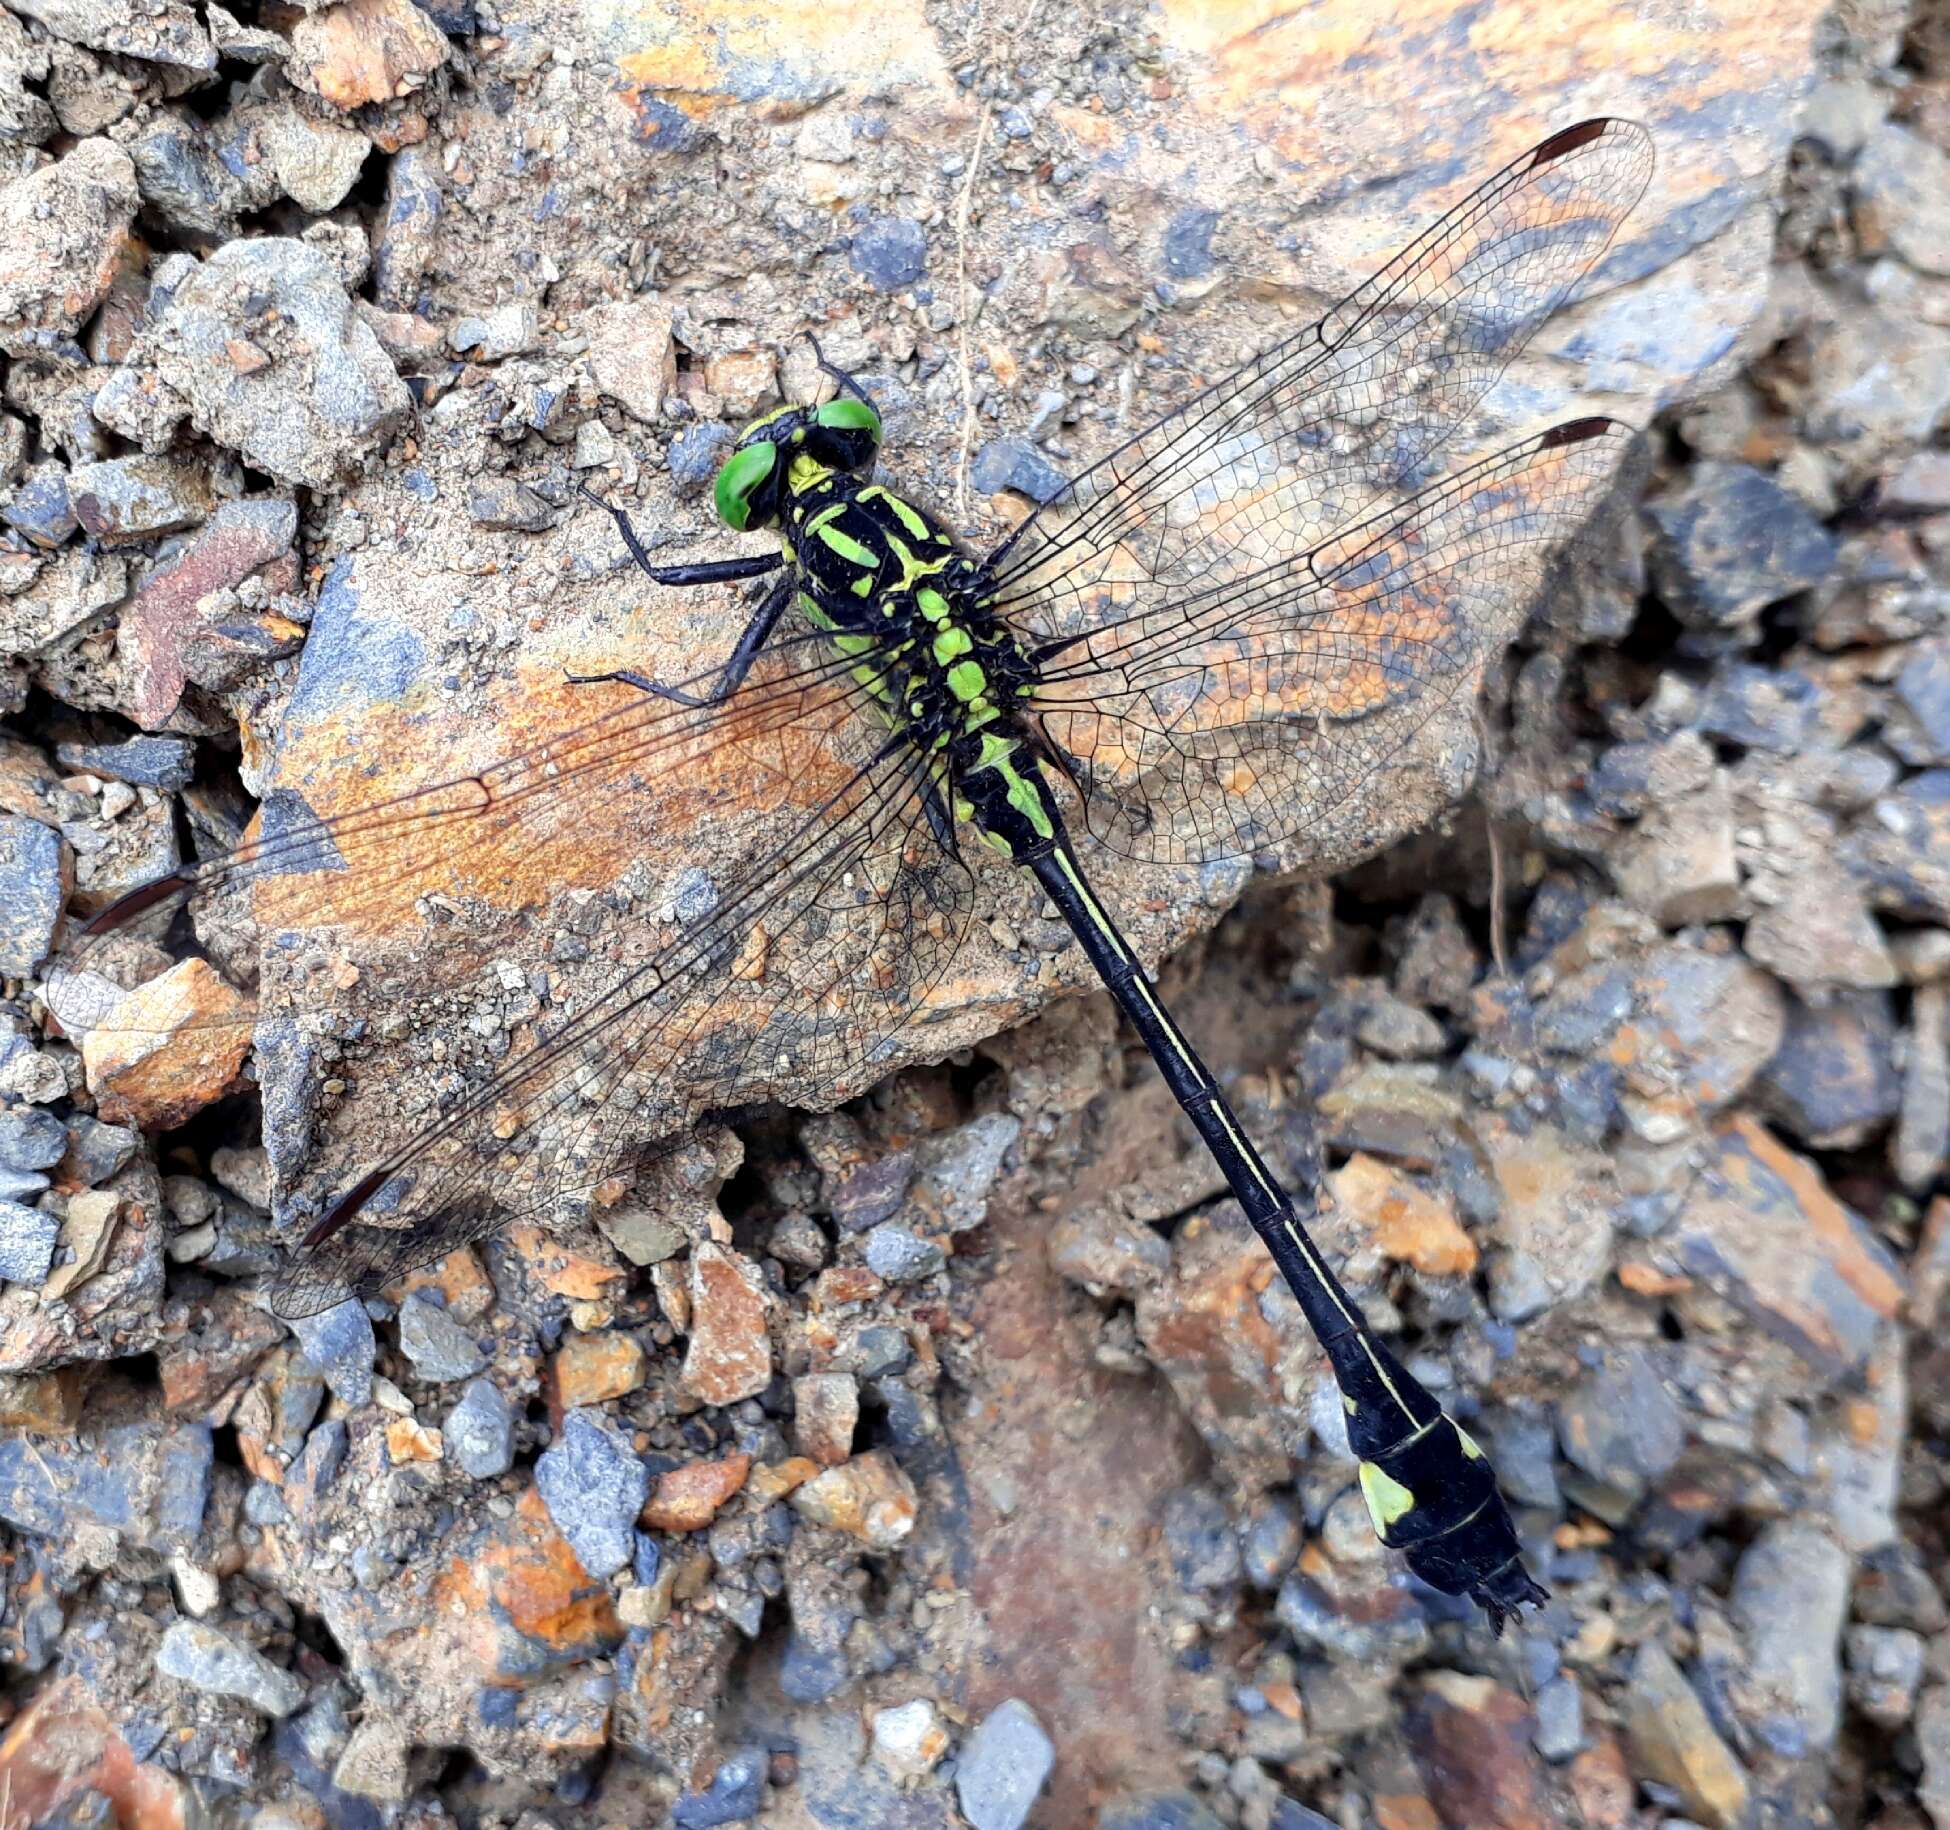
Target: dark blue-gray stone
[[1835, 1073], [900, 1255], [339, 1341], [873, 1192], [31, 894], [1188, 244], [696, 453], [881, 1350], [1158, 1811], [212, 1662], [1014, 463], [97, 1151], [736, 1791], [1003, 1767], [457, 18], [1199, 1539], [148, 762], [317, 1466], [480, 1431], [1731, 542], [593, 1485], [356, 656], [1760, 708], [810, 1675], [891, 252], [439, 1347], [663, 126], [1923, 690], [41, 510], [1290, 1814], [27, 1240], [1272, 1541], [1559, 1709], [183, 1486], [31, 1137], [1621, 1425]]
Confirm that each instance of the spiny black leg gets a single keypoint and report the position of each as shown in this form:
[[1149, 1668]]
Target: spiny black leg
[[731, 676], [845, 380], [704, 572]]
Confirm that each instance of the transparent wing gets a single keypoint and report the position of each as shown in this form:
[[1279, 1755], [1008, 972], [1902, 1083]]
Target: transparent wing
[[802, 975], [1237, 615], [478, 833], [1317, 432], [1219, 721]]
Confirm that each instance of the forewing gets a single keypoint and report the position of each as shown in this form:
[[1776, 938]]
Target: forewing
[[1323, 428], [799, 979], [371, 868], [1217, 720]]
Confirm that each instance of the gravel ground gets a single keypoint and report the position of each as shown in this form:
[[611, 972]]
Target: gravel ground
[[953, 1457]]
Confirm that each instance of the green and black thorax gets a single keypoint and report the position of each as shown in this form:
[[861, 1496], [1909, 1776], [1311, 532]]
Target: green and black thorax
[[895, 590]]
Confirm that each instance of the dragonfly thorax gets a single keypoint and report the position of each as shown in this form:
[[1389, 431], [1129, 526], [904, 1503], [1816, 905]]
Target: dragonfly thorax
[[892, 587]]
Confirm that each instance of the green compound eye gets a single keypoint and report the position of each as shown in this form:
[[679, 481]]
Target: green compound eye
[[743, 472], [848, 414]]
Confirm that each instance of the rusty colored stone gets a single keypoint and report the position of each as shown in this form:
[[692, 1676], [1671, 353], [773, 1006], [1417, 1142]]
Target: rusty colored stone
[[590, 1368], [46, 1404], [688, 1498], [842, 1284], [515, 1601], [1471, 1739], [198, 1367], [364, 51], [826, 1412], [869, 1498], [1407, 1222], [773, 1480], [64, 1748], [408, 1439], [176, 1046], [1230, 1341], [561, 1270], [165, 620], [730, 1352], [1762, 1229]]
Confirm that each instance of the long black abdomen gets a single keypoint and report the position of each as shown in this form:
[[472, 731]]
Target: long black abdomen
[[1430, 1490]]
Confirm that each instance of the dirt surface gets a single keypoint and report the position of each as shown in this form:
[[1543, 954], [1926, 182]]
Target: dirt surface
[[956, 1457]]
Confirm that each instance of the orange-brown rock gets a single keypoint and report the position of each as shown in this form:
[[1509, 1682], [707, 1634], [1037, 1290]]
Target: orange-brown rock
[[825, 1413], [1226, 1334], [1472, 1740], [1407, 1222], [169, 1049], [64, 1747], [688, 1498], [589, 1368], [365, 51], [408, 1439], [1763, 1231], [562, 1270], [773, 1480], [517, 1602], [47, 1404], [870, 1498], [730, 1352]]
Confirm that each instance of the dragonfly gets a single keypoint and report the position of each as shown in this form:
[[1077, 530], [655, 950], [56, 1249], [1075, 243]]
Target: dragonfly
[[1209, 638]]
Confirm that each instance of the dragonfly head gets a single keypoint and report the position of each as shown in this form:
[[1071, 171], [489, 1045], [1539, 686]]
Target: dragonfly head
[[788, 448]]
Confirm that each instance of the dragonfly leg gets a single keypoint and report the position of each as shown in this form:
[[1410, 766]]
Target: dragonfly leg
[[847, 383], [730, 676], [704, 572]]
